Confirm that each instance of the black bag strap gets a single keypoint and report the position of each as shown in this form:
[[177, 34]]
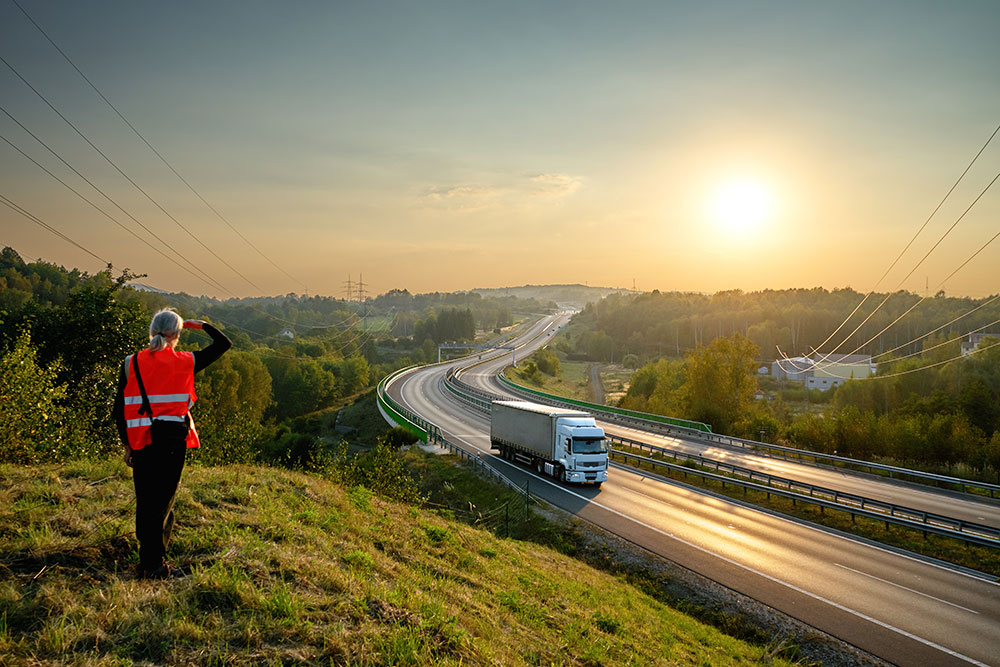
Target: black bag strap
[[145, 408]]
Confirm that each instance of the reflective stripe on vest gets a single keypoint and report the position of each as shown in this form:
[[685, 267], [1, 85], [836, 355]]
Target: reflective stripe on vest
[[168, 377]]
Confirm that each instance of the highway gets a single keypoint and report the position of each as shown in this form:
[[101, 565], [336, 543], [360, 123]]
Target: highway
[[899, 608], [966, 507]]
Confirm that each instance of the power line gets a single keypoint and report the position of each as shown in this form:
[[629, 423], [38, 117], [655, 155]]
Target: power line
[[910, 243], [108, 215], [923, 368], [126, 176], [11, 205], [946, 342], [150, 146], [204, 275], [939, 285], [934, 331]]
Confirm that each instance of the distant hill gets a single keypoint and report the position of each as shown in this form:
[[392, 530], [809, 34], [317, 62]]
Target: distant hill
[[565, 295]]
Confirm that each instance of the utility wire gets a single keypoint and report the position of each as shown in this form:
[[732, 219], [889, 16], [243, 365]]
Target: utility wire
[[946, 342], [912, 239], [38, 221], [939, 285], [126, 176], [946, 324], [204, 277], [150, 146], [923, 368]]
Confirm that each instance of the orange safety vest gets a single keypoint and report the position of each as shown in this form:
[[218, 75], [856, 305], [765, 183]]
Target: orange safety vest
[[168, 377]]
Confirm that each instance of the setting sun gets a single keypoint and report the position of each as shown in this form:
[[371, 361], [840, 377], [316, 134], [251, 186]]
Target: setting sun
[[741, 206]]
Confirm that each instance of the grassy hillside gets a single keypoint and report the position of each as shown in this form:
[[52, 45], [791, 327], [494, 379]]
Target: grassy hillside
[[288, 568]]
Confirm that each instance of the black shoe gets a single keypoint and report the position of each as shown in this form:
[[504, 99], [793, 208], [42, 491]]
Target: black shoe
[[165, 571]]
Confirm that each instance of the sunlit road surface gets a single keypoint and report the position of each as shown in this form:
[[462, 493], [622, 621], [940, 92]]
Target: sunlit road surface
[[985, 511], [899, 608]]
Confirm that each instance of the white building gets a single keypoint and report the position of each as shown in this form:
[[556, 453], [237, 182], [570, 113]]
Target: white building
[[972, 341], [823, 371]]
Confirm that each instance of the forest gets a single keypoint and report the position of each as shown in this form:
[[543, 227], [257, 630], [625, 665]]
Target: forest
[[64, 333], [791, 322], [698, 357]]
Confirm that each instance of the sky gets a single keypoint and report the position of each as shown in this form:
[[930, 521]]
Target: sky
[[440, 146]]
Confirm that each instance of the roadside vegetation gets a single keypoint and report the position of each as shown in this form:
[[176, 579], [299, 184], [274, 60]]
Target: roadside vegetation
[[697, 357], [64, 333], [306, 534], [378, 558]]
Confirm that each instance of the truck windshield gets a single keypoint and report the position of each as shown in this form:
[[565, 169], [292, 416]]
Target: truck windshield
[[589, 446]]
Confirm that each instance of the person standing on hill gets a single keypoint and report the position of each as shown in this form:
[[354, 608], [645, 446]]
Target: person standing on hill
[[152, 413]]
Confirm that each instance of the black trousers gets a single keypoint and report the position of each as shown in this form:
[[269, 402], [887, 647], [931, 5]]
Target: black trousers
[[156, 472]]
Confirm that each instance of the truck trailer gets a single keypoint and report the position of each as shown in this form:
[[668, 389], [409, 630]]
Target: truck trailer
[[562, 443]]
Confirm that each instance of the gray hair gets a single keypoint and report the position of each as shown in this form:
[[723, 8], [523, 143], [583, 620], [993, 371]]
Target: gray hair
[[166, 326]]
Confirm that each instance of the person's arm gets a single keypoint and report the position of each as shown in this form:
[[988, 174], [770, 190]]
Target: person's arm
[[220, 343], [118, 413]]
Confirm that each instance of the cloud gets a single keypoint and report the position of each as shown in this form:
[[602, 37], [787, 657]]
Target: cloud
[[555, 185], [520, 191], [462, 197]]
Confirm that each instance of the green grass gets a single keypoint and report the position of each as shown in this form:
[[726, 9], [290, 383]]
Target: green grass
[[947, 549], [573, 380], [289, 568], [615, 378]]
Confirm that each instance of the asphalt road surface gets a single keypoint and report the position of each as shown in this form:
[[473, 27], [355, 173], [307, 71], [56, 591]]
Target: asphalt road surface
[[896, 606]]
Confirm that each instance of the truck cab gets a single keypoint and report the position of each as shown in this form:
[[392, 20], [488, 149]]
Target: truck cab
[[583, 454]]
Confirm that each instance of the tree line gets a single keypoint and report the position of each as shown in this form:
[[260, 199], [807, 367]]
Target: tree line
[[944, 417], [64, 334], [659, 324]]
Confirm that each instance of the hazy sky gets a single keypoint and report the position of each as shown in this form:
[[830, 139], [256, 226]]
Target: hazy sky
[[444, 146]]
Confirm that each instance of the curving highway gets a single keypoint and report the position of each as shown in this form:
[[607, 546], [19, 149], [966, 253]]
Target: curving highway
[[898, 607]]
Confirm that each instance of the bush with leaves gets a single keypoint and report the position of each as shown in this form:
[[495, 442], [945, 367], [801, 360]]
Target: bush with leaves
[[380, 469], [35, 425]]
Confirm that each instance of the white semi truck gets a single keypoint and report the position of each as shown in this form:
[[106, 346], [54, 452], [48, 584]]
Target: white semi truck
[[565, 444]]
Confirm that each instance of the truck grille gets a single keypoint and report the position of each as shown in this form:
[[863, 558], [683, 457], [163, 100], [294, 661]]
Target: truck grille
[[591, 464]]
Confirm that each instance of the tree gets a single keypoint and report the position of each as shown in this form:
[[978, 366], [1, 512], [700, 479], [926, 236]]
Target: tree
[[89, 336], [547, 362], [719, 386]]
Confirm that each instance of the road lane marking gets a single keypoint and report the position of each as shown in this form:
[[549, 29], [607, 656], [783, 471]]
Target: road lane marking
[[885, 581], [742, 566]]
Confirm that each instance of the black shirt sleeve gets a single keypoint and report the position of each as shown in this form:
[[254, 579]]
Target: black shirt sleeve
[[220, 343]]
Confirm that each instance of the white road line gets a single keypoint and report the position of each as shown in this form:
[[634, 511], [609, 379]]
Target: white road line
[[885, 581], [793, 587]]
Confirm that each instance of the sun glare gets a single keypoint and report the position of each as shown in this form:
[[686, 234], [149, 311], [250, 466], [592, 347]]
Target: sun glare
[[740, 207]]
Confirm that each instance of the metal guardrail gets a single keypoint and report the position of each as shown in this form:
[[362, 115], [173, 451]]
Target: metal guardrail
[[925, 528], [763, 448], [402, 416], [797, 491], [848, 500], [431, 433]]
